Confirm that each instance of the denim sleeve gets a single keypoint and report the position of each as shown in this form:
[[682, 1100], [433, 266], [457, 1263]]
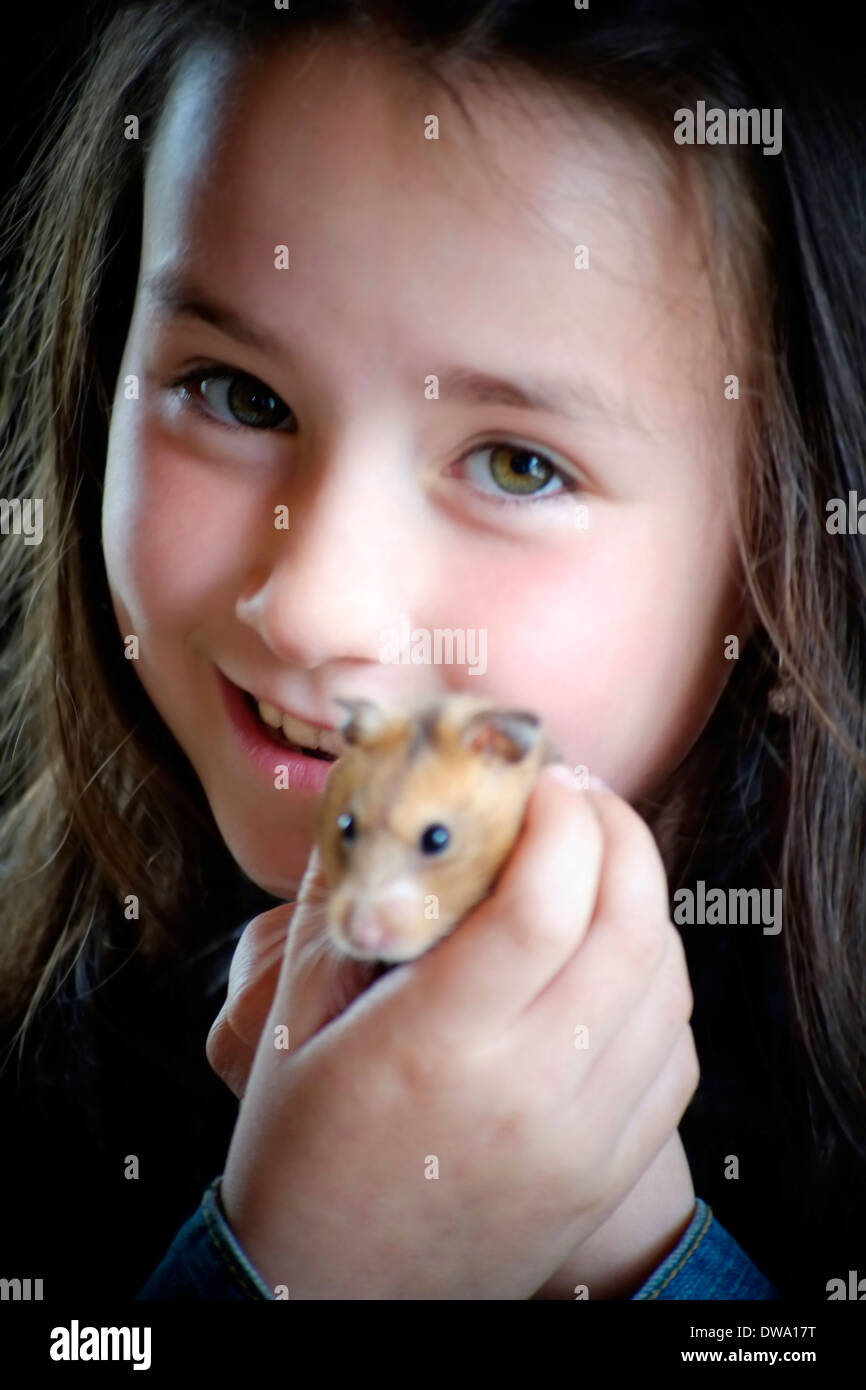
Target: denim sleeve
[[706, 1264], [204, 1260]]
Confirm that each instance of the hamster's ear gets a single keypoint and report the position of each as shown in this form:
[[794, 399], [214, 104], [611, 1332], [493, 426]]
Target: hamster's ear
[[363, 721], [507, 734]]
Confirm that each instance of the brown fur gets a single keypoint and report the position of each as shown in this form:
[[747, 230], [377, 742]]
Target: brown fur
[[460, 762]]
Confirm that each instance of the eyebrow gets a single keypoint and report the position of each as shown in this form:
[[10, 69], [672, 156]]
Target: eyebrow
[[572, 397], [171, 293]]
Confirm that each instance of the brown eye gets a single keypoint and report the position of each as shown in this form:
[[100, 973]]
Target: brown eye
[[236, 398], [346, 827], [253, 403]]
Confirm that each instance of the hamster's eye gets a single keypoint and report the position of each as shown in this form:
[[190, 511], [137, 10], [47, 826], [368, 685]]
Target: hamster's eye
[[434, 839], [346, 826]]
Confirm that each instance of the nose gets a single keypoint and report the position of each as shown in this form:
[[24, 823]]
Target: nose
[[366, 930], [383, 921], [328, 586]]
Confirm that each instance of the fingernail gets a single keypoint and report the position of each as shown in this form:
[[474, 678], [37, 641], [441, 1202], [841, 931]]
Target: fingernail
[[597, 784], [561, 773]]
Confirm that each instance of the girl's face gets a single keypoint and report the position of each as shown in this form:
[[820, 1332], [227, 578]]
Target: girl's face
[[573, 528]]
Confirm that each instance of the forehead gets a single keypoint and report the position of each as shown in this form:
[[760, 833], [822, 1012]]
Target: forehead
[[404, 789], [322, 148]]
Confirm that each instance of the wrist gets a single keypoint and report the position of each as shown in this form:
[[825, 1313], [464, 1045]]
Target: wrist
[[647, 1225]]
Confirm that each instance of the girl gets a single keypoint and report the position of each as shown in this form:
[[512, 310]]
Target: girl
[[333, 315]]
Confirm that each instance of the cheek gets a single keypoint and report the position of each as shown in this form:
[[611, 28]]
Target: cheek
[[616, 638], [562, 620], [661, 666], [170, 524]]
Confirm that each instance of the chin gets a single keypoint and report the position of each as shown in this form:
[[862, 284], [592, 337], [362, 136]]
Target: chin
[[278, 885]]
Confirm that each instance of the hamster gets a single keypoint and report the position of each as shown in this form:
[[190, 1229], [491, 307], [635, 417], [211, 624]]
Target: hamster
[[418, 816]]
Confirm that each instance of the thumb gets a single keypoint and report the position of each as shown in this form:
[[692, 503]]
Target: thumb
[[317, 981], [252, 981]]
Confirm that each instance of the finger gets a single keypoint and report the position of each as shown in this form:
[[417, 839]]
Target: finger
[[317, 981], [228, 1055], [625, 1067], [255, 970], [633, 882], [649, 1126], [253, 973], [625, 945], [480, 978]]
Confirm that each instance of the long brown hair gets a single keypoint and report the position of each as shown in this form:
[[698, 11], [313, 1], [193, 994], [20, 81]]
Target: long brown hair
[[98, 797]]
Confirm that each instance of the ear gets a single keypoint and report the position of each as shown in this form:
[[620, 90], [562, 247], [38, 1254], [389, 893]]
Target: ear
[[363, 721], [505, 734]]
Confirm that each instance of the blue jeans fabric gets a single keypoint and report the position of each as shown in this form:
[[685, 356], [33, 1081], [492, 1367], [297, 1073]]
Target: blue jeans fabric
[[206, 1261], [706, 1264]]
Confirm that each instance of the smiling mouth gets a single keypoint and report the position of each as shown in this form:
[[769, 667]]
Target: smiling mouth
[[276, 735]]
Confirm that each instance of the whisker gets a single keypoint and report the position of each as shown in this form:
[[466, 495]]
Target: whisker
[[313, 950]]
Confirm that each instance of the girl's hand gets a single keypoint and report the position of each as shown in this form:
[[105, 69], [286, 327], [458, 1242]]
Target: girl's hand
[[235, 1032], [470, 1058], [330, 982], [255, 969], [646, 1226], [612, 1263]]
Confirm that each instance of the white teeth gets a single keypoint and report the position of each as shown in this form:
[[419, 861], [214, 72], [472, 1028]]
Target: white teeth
[[296, 731], [304, 735], [270, 714], [329, 742]]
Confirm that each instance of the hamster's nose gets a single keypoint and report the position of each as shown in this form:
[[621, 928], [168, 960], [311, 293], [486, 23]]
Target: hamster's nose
[[366, 929], [381, 922]]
